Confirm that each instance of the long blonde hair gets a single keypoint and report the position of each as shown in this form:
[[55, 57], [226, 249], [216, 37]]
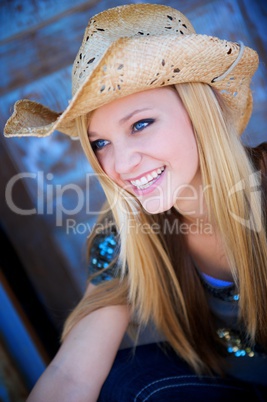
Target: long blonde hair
[[161, 283]]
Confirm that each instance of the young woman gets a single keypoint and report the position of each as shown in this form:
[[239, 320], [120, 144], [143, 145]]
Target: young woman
[[176, 304]]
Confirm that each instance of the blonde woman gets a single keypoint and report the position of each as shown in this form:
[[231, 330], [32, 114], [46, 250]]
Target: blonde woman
[[176, 302]]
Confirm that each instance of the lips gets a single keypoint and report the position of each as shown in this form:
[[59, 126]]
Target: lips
[[148, 179]]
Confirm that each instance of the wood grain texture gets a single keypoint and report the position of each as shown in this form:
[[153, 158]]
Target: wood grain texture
[[13, 388], [19, 16]]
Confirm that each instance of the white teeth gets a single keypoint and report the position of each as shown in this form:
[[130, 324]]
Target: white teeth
[[146, 181]]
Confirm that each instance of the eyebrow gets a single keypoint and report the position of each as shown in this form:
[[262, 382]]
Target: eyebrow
[[128, 116], [123, 119]]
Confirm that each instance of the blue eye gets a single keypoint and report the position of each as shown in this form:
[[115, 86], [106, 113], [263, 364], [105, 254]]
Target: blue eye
[[141, 124], [99, 144]]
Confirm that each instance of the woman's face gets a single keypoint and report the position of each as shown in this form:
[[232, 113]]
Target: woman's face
[[145, 143]]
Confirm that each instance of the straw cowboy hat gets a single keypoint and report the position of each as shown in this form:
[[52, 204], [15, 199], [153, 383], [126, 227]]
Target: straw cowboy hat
[[132, 48]]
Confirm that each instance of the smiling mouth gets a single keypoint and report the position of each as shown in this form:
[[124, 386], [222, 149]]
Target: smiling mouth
[[147, 180]]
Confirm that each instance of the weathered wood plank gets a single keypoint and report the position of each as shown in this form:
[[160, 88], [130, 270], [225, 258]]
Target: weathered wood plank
[[52, 255], [42, 51], [53, 90], [256, 132], [13, 387], [29, 356], [255, 16], [63, 234], [32, 238], [18, 16]]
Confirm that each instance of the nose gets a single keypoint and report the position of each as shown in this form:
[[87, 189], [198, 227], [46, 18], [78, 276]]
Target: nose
[[126, 158]]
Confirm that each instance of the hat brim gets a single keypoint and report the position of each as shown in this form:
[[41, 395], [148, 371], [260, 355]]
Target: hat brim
[[137, 64]]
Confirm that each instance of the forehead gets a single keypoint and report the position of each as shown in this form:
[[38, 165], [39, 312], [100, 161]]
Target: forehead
[[123, 107]]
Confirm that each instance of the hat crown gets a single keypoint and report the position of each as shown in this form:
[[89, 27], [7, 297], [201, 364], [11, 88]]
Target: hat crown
[[132, 20]]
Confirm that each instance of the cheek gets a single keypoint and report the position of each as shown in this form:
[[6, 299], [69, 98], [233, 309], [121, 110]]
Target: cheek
[[182, 144], [103, 160], [185, 152], [189, 157], [107, 164]]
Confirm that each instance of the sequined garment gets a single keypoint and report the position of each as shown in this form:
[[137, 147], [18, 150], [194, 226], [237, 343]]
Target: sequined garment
[[235, 343], [105, 248]]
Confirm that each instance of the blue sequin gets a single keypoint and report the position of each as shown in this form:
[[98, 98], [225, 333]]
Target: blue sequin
[[236, 345], [104, 250]]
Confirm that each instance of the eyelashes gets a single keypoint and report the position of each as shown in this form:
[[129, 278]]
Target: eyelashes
[[138, 126], [141, 125], [99, 144]]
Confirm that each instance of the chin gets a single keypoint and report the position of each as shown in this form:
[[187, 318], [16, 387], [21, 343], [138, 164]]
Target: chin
[[154, 207]]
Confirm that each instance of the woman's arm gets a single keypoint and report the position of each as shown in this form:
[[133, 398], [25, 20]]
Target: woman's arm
[[80, 367]]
